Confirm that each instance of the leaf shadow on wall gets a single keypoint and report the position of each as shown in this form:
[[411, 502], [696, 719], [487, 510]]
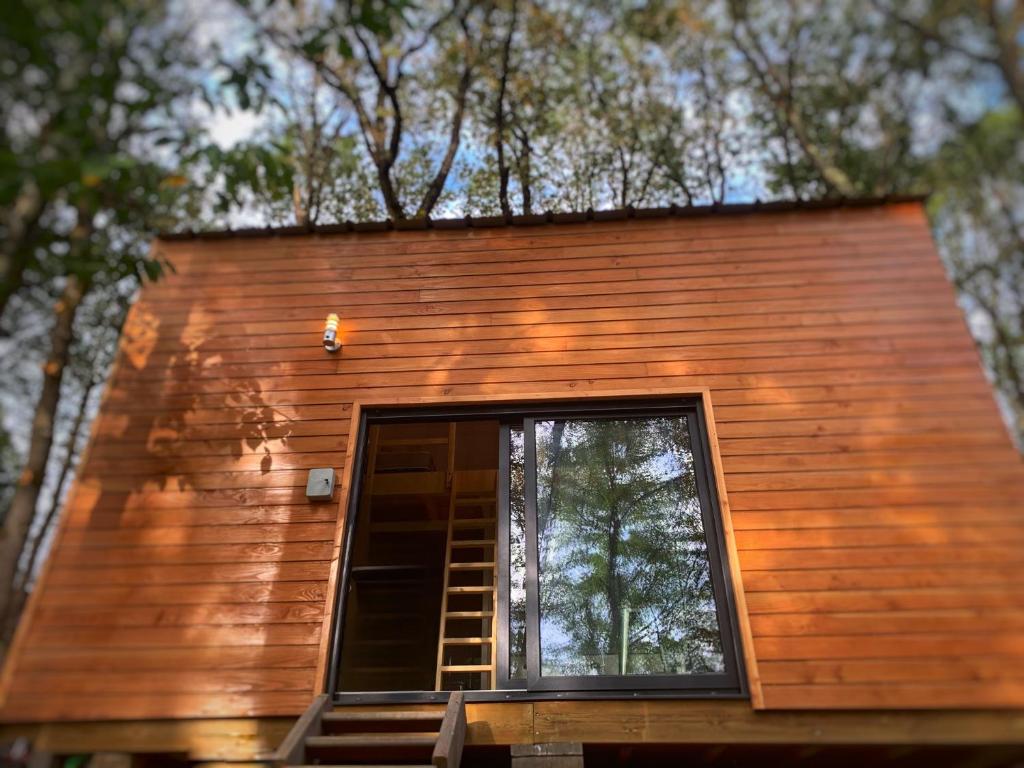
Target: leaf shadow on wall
[[190, 557]]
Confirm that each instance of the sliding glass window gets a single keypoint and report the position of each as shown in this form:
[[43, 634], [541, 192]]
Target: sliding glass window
[[615, 574]]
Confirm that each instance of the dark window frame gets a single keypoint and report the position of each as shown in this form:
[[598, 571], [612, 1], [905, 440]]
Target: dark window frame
[[731, 684]]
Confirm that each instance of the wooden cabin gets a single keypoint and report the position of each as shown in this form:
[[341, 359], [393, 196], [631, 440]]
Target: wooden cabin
[[714, 486]]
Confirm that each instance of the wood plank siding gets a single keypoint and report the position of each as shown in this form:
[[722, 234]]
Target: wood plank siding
[[874, 492]]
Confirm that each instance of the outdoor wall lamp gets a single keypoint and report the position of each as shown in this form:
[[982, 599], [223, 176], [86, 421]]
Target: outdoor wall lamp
[[331, 341]]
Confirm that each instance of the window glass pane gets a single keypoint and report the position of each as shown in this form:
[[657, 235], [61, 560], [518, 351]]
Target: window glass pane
[[624, 577], [517, 558]]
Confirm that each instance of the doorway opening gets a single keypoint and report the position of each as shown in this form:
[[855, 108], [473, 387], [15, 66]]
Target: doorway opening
[[422, 600]]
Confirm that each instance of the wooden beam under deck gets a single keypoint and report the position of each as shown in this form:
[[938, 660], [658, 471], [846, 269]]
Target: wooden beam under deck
[[588, 722]]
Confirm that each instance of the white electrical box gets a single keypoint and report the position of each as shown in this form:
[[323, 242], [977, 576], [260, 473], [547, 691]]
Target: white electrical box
[[320, 485]]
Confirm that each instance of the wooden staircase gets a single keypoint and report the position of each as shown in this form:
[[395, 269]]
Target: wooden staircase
[[347, 739]]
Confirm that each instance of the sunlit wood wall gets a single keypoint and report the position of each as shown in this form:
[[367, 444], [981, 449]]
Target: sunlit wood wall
[[875, 494]]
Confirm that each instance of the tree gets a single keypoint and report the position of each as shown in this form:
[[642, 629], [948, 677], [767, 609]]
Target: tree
[[979, 215], [95, 100], [624, 576], [836, 113], [366, 53], [93, 348], [302, 169]]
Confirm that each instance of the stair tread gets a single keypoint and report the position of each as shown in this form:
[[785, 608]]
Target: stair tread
[[353, 717], [409, 739]]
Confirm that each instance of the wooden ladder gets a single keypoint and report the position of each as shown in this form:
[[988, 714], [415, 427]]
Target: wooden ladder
[[341, 738], [469, 597]]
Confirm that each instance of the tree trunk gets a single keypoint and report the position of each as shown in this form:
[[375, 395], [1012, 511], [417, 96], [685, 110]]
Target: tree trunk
[[499, 115], [392, 202], [66, 473], [523, 172], [23, 505], [19, 222], [1006, 32], [834, 176], [436, 186]]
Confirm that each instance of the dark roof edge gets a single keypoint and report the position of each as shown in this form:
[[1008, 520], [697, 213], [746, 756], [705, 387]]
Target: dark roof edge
[[482, 222]]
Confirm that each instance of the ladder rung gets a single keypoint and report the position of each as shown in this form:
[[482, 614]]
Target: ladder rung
[[468, 614], [466, 668], [471, 566], [467, 500], [471, 590], [468, 641], [473, 543]]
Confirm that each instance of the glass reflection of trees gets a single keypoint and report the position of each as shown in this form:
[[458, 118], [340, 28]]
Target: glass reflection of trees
[[624, 576], [517, 558]]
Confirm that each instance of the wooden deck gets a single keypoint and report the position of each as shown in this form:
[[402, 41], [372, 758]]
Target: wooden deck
[[651, 722]]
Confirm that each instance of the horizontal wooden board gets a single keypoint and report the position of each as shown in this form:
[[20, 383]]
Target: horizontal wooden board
[[953, 516], [254, 595], [1002, 555], [83, 557], [302, 357], [465, 251], [847, 399], [227, 739], [98, 520], [953, 695], [85, 614], [252, 328], [204, 573], [120, 401], [188, 337], [1005, 597], [733, 722], [882, 671], [637, 348], [612, 294], [155, 536], [928, 622], [820, 269], [230, 681], [890, 645], [881, 536], [51, 660], [968, 576], [199, 636], [875, 498], [157, 705]]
